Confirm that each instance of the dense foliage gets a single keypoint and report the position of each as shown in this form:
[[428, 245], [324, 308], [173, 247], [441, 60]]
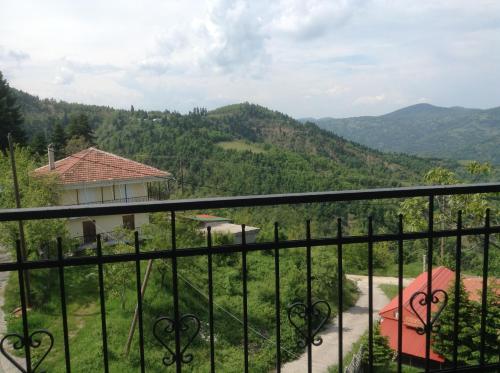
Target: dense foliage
[[10, 116], [469, 325]]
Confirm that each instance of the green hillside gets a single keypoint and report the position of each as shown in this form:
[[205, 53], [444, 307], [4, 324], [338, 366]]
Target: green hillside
[[426, 130]]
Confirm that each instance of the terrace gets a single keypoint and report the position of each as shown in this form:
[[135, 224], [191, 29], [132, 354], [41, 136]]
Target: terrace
[[177, 330]]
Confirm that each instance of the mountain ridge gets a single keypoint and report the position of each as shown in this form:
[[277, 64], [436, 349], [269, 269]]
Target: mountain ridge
[[425, 130]]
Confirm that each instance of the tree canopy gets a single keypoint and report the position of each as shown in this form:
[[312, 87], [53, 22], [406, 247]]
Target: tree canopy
[[11, 118]]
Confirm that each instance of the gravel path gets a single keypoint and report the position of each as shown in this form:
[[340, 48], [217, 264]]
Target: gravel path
[[5, 365], [355, 321]]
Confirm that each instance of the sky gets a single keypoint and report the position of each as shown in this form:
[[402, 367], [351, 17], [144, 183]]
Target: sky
[[309, 58]]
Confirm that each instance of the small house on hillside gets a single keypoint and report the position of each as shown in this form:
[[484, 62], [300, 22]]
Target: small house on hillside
[[413, 346], [223, 226], [93, 176]]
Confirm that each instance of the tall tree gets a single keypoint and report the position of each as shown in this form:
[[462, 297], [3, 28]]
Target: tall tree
[[79, 126], [38, 143], [59, 140], [443, 339], [469, 324], [10, 116]]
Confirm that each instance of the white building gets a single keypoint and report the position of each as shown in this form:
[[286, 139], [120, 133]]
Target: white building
[[94, 176]]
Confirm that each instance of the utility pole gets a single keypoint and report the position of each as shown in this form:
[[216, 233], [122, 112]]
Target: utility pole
[[21, 226]]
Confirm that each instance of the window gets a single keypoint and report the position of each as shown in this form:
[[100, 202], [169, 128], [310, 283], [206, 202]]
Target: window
[[128, 221]]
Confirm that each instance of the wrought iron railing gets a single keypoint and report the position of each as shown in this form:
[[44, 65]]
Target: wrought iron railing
[[185, 327]]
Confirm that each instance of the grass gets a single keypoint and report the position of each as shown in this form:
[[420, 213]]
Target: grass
[[85, 322], [410, 270], [390, 290], [241, 146]]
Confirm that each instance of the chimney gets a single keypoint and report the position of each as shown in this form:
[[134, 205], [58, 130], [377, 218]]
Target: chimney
[[52, 164]]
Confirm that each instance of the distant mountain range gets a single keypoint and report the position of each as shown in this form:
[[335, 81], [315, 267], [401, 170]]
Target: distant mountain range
[[426, 130]]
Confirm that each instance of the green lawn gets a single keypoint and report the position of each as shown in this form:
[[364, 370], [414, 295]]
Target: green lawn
[[241, 146], [390, 290]]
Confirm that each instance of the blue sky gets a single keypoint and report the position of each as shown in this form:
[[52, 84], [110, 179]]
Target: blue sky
[[305, 58]]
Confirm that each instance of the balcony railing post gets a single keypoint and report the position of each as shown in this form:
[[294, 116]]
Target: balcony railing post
[[458, 267], [429, 296], [22, 294], [210, 299], [400, 292], [63, 305], [245, 296], [370, 294], [175, 294], [139, 299], [340, 295], [484, 295], [277, 297], [309, 311], [102, 302]]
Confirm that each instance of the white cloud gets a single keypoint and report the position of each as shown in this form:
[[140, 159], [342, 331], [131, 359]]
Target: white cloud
[[370, 100], [229, 38], [303, 57], [309, 19], [64, 76], [12, 55]]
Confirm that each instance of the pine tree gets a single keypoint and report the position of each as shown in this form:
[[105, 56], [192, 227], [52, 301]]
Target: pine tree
[[38, 143], [492, 326], [468, 318], [382, 352], [58, 140], [10, 116], [79, 126]]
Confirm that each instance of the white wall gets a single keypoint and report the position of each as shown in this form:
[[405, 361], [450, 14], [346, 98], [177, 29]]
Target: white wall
[[103, 224]]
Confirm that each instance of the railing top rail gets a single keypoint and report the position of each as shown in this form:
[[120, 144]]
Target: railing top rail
[[243, 201]]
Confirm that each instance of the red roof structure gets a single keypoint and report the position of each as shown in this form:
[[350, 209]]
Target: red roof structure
[[94, 165], [414, 343]]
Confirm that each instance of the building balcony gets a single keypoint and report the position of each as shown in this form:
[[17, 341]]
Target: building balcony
[[184, 303]]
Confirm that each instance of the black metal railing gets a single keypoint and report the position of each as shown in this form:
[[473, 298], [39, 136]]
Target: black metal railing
[[185, 327]]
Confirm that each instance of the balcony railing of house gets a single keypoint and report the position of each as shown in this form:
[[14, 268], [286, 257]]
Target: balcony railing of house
[[184, 328]]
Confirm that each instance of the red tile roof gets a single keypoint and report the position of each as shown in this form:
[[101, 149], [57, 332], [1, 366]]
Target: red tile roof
[[441, 277], [413, 343], [94, 165]]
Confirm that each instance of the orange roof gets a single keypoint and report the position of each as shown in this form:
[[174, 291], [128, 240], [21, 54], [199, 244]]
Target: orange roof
[[414, 343], [441, 277], [94, 165]]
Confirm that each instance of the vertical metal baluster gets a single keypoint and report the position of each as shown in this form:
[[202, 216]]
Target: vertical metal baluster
[[458, 263], [210, 300], [103, 305], [340, 297], [309, 297], [484, 300], [139, 299], [430, 242], [277, 303], [370, 294], [400, 291], [175, 293], [64, 315], [245, 296], [22, 294]]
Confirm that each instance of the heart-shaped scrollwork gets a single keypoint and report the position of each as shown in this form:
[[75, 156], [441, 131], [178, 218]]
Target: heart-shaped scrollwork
[[18, 343], [423, 301], [165, 326], [300, 310]]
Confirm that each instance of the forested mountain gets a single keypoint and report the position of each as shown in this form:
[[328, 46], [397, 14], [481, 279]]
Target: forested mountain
[[237, 149], [426, 130]]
